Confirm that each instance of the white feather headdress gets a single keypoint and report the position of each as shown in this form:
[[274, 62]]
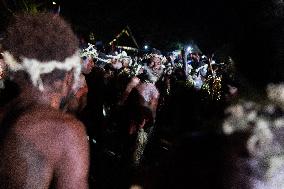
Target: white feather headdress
[[35, 68]]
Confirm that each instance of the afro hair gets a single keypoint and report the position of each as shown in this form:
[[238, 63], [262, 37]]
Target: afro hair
[[41, 36]]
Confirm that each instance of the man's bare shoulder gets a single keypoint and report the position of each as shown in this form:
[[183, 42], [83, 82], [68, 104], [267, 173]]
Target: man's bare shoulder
[[45, 125], [49, 117]]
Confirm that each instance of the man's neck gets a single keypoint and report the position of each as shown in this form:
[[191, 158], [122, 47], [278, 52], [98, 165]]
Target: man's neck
[[44, 98]]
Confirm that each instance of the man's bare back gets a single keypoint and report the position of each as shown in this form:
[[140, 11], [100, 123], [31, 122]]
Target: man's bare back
[[42, 147]]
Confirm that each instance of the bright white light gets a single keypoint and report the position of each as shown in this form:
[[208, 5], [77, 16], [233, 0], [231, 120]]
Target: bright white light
[[146, 47], [53, 3], [189, 49]]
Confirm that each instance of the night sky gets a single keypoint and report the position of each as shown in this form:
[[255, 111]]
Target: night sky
[[211, 24]]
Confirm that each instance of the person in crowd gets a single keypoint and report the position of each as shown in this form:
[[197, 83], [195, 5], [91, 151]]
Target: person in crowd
[[3, 73], [140, 101], [195, 61], [92, 114], [116, 63], [154, 67], [8, 89], [147, 90], [78, 100], [40, 145], [126, 62]]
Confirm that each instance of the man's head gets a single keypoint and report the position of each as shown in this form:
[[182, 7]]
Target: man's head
[[195, 56], [155, 61], [87, 65], [88, 54], [116, 63], [42, 48], [125, 62]]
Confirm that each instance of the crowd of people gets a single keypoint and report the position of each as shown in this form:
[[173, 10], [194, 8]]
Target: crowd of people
[[75, 117]]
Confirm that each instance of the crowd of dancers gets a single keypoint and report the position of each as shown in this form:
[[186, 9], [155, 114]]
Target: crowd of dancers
[[136, 106], [75, 117]]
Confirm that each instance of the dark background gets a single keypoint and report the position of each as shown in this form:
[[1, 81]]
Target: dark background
[[160, 24], [211, 24]]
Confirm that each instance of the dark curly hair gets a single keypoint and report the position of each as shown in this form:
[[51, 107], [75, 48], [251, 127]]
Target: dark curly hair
[[42, 36]]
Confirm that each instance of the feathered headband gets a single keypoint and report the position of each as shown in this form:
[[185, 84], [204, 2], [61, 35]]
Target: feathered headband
[[36, 68], [90, 51]]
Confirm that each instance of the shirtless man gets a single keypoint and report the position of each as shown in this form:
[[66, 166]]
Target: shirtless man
[[40, 146], [154, 68], [147, 92], [78, 100]]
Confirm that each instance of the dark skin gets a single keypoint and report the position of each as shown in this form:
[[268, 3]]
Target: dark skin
[[42, 147], [78, 101], [146, 91]]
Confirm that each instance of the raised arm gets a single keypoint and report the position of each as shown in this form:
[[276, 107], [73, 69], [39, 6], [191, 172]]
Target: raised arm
[[132, 84]]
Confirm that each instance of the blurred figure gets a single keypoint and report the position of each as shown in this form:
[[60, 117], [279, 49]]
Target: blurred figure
[[195, 61], [254, 150], [3, 73], [254, 124]]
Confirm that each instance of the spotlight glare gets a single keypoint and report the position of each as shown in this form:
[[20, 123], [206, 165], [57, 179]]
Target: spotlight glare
[[146, 47], [189, 49], [53, 2]]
